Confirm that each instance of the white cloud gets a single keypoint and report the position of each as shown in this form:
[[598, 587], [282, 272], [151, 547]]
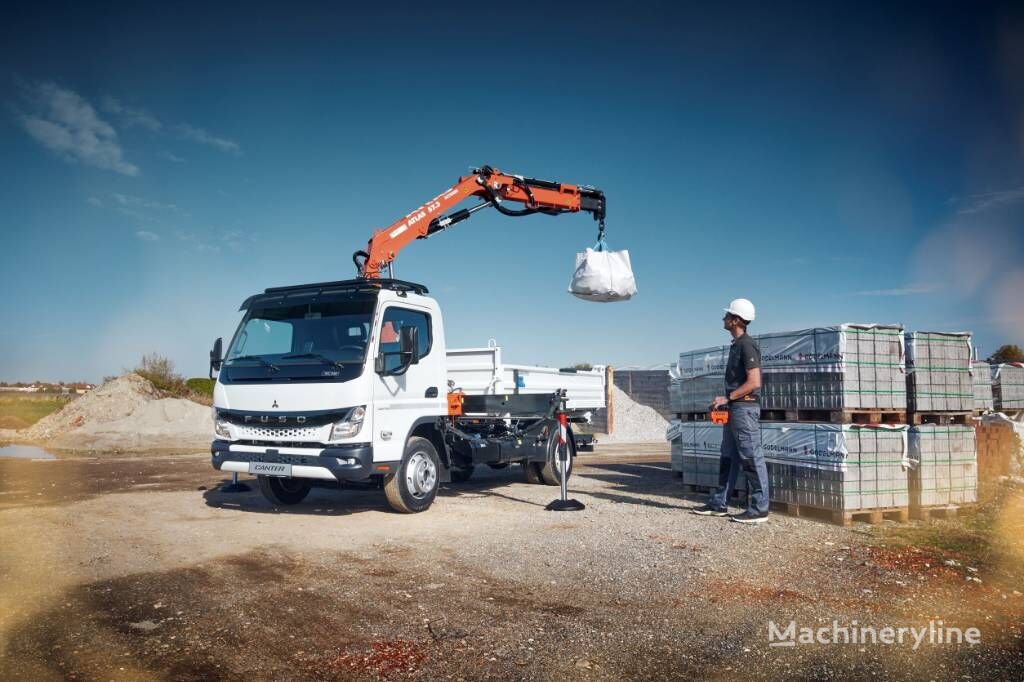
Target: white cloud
[[237, 240], [203, 137], [914, 290], [147, 236], [174, 158], [130, 116], [137, 202], [977, 203], [193, 241], [66, 124], [94, 201]]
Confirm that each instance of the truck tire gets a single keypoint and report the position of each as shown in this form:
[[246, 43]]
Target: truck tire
[[413, 487], [283, 492], [461, 474], [549, 473], [532, 470]]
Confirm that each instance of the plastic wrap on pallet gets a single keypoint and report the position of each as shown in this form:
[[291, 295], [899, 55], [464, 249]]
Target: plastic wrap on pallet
[[982, 385], [1008, 386], [939, 372], [945, 468], [845, 367], [828, 466]]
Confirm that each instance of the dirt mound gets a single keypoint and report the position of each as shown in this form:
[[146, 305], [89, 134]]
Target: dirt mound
[[633, 422], [113, 400], [126, 413], [160, 424]]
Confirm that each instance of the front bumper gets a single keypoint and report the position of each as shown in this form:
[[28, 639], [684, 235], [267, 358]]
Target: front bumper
[[342, 462]]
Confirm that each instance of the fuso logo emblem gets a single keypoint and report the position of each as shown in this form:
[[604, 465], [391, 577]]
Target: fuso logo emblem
[[275, 404]]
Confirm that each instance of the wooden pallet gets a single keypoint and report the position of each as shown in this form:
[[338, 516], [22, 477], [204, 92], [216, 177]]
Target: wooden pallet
[[836, 416], [841, 517], [829, 416], [947, 511], [940, 418]]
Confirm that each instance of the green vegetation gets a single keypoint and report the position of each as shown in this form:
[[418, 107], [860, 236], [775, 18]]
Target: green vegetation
[[201, 385], [1007, 353], [19, 411], [159, 371]]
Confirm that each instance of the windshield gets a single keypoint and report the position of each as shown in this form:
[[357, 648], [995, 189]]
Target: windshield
[[324, 340]]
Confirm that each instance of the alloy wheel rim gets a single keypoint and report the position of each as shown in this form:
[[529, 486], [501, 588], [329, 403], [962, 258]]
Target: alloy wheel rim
[[420, 475]]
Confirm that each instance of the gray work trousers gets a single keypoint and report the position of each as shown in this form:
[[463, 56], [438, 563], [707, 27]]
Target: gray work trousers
[[741, 451]]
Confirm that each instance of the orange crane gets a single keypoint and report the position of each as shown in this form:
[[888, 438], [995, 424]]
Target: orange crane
[[495, 188]]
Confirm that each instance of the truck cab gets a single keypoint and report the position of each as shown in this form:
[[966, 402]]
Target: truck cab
[[349, 381]]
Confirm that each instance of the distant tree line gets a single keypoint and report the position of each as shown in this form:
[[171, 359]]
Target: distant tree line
[[1006, 353]]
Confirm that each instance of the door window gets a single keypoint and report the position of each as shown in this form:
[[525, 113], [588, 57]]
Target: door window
[[391, 328]]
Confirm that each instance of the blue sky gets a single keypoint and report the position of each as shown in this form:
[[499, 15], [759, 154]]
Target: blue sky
[[832, 163]]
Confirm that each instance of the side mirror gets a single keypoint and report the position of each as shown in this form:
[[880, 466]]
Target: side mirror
[[408, 354], [216, 356], [408, 344]]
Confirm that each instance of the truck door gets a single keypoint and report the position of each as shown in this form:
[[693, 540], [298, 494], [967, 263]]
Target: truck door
[[400, 400]]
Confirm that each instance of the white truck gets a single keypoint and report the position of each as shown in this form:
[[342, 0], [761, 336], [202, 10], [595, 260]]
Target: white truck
[[353, 381]]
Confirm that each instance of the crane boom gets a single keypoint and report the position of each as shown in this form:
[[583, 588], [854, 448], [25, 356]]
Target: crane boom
[[494, 187]]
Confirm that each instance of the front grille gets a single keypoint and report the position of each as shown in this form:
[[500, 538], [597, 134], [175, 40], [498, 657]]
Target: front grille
[[279, 434]]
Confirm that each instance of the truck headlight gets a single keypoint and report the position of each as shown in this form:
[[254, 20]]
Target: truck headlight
[[350, 426], [220, 428]]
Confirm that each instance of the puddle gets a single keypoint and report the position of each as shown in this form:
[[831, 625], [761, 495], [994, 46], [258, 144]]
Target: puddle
[[25, 452]]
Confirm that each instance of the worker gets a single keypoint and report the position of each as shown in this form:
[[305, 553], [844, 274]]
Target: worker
[[741, 435]]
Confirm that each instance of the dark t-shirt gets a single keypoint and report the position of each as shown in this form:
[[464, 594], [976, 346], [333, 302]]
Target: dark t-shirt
[[744, 355]]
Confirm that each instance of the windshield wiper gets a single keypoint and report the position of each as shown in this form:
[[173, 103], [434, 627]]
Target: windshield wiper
[[317, 356], [266, 363]]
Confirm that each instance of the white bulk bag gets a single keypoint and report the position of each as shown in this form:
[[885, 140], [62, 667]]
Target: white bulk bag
[[603, 276]]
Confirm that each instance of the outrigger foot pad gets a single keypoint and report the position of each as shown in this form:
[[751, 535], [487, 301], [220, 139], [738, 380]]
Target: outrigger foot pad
[[566, 505], [234, 486]]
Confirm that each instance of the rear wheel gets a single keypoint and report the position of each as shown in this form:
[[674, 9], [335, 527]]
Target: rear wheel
[[532, 470], [550, 472], [414, 486], [283, 491]]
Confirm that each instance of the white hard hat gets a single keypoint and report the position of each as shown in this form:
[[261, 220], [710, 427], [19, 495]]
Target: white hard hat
[[741, 308]]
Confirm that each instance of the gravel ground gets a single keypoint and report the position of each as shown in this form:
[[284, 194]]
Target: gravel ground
[[143, 569]]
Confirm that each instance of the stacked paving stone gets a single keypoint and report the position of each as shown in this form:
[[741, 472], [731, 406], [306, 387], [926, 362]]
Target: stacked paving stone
[[982, 385], [946, 471], [827, 466], [939, 370], [846, 367], [1008, 387]]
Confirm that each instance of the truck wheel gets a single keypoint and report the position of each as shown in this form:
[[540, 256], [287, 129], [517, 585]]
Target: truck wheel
[[532, 470], [549, 472], [283, 492], [414, 486], [461, 474]]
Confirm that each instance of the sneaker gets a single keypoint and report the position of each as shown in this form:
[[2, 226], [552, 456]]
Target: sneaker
[[750, 517], [708, 510]]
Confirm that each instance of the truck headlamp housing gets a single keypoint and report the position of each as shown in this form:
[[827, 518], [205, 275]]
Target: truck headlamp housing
[[220, 427], [350, 426]]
